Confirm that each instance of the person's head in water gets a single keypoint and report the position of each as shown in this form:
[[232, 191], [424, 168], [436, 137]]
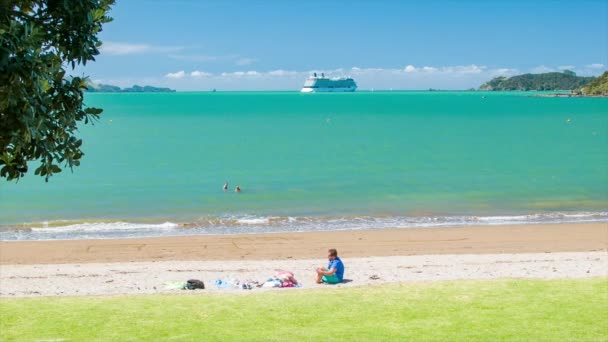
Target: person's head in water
[[237, 189], [332, 254]]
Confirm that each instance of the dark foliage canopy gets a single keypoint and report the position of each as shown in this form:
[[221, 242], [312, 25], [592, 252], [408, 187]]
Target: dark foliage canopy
[[40, 107], [566, 80], [598, 87]]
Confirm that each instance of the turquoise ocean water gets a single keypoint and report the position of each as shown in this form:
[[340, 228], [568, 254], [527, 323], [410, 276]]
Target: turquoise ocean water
[[155, 164]]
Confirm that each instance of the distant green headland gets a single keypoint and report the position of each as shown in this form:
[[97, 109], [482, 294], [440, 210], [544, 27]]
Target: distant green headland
[[566, 80], [106, 88]]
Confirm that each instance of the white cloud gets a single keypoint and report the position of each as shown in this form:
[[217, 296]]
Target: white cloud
[[241, 73], [198, 73], [354, 71], [407, 77], [194, 58], [463, 69], [504, 72], [204, 58], [541, 69], [566, 67], [175, 75], [120, 48], [595, 66], [113, 48], [281, 73], [408, 71], [245, 61], [455, 70]]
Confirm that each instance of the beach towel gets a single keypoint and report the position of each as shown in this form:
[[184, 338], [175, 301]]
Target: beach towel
[[272, 282], [288, 284], [175, 285], [248, 284], [223, 283]]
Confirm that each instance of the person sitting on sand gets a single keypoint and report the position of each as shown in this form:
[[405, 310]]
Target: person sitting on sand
[[334, 272]]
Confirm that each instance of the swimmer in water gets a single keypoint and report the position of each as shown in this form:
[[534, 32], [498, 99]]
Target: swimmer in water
[[226, 186], [237, 189]]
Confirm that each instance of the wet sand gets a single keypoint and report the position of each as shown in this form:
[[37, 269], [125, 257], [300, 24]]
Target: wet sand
[[533, 238]]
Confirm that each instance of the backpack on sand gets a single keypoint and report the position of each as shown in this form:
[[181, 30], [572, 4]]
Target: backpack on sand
[[194, 284]]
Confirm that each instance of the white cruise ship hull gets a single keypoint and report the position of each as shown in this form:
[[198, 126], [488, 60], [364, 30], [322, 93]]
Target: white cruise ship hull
[[327, 90], [323, 84]]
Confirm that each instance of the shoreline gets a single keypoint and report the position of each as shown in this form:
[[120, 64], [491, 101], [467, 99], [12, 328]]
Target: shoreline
[[527, 238], [571, 95]]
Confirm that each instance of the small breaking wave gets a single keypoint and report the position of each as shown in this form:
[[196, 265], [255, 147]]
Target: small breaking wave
[[248, 224], [66, 230], [104, 226], [256, 220]]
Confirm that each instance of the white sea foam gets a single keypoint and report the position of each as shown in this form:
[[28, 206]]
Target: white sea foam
[[102, 227], [244, 224], [253, 220], [544, 217]]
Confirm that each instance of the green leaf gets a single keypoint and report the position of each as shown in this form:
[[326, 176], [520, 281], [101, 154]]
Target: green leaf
[[41, 109]]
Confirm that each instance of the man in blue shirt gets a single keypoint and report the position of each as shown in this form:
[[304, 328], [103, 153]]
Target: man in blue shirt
[[334, 273]]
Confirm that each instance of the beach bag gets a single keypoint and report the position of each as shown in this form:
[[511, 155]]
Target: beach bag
[[194, 284]]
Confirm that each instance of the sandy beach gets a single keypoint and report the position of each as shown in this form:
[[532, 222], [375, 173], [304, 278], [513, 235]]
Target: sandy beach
[[138, 266], [151, 277], [539, 238]]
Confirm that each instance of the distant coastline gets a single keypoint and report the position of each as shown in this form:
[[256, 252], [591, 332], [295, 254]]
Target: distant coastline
[[107, 88], [570, 95], [552, 81]]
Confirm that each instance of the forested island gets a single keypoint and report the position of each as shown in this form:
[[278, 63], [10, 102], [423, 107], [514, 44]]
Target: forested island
[[566, 80], [106, 88]]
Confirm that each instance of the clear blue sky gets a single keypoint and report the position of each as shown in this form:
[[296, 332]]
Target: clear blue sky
[[199, 45]]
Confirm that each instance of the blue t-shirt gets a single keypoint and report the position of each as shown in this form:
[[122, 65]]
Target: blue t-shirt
[[338, 265]]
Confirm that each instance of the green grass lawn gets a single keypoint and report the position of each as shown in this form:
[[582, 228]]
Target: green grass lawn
[[555, 310]]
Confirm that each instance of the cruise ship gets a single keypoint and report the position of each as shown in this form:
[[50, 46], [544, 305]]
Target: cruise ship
[[315, 84]]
